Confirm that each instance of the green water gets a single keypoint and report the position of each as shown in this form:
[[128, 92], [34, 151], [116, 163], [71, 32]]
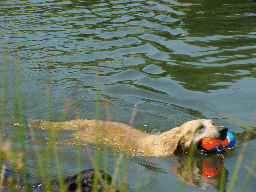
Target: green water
[[175, 60]]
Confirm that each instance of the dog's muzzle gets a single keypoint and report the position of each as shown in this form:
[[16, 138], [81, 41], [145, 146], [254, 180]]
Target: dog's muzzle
[[223, 133]]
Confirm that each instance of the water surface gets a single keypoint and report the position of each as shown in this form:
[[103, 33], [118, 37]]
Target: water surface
[[175, 60]]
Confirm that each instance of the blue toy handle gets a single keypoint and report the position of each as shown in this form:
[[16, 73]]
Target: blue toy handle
[[232, 140]]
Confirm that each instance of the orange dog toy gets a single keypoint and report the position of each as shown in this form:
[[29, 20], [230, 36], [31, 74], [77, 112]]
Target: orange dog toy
[[209, 143]]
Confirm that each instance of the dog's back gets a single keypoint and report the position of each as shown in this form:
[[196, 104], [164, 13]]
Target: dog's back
[[115, 134]]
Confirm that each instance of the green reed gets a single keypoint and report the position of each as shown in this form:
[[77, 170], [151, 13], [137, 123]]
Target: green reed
[[44, 158], [3, 82], [249, 130], [18, 114], [248, 175], [4, 91]]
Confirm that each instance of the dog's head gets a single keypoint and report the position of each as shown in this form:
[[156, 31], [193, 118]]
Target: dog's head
[[193, 132]]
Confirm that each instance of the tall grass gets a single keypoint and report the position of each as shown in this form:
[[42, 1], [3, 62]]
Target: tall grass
[[250, 130], [100, 155]]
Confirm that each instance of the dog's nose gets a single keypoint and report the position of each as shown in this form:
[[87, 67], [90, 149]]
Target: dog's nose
[[223, 133]]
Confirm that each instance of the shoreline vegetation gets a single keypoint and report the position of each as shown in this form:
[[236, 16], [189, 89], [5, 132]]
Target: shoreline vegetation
[[16, 156]]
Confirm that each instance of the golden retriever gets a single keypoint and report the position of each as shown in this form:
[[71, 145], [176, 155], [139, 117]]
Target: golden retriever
[[136, 142]]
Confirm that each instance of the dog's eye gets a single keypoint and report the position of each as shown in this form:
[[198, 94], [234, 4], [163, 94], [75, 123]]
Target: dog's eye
[[201, 127]]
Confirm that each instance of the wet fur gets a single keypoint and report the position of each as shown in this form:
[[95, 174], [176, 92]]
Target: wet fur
[[135, 142]]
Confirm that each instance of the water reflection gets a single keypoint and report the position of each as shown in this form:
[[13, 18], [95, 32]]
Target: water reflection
[[165, 56], [201, 173], [213, 41], [208, 18]]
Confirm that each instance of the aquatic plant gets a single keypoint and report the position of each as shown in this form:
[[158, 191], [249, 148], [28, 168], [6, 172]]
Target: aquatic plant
[[19, 161]]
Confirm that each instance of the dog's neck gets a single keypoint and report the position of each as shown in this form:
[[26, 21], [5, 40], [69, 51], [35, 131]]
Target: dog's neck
[[161, 144]]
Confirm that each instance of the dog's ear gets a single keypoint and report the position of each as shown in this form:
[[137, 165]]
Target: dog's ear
[[177, 147], [174, 146], [188, 136], [170, 142], [181, 146]]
